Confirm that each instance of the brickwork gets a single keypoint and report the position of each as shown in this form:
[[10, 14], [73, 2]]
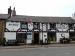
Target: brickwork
[[2, 27]]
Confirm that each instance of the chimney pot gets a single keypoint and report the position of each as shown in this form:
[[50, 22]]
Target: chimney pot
[[14, 12], [9, 11]]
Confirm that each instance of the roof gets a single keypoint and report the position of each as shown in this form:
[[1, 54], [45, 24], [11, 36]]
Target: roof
[[3, 16], [38, 18]]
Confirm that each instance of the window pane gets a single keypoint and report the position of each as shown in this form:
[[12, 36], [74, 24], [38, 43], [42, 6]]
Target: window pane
[[36, 25], [24, 26]]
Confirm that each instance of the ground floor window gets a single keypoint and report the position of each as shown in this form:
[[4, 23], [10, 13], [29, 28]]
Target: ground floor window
[[21, 37], [72, 36], [51, 36]]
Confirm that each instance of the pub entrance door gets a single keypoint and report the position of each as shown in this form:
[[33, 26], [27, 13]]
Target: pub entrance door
[[36, 37]]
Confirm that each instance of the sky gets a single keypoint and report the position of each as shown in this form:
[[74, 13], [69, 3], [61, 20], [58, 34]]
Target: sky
[[39, 7]]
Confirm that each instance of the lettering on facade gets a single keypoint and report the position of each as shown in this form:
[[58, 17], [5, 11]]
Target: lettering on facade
[[12, 26]]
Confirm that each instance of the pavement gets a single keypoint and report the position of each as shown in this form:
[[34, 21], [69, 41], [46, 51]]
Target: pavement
[[37, 46]]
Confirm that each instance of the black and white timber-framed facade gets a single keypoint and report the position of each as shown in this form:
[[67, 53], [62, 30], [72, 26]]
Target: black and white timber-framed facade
[[33, 29]]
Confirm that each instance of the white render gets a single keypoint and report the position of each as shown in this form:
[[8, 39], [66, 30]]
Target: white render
[[41, 26], [30, 26], [71, 30], [43, 36], [48, 26], [44, 27], [28, 41], [10, 35], [12, 26], [40, 35], [62, 27], [58, 35]]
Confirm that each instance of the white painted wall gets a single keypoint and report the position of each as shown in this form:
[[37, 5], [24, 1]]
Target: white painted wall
[[71, 30], [40, 35], [58, 36], [62, 27], [48, 26], [43, 35], [44, 27], [30, 26], [12, 26], [10, 35], [41, 26], [29, 38]]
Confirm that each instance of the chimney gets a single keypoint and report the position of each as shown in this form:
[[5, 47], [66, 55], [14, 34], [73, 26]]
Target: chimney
[[14, 12], [73, 15], [9, 11]]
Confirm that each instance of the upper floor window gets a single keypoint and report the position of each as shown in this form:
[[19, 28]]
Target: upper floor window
[[36, 25], [71, 26], [23, 25], [53, 26]]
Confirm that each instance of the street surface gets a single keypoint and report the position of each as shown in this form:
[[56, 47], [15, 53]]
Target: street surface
[[40, 51]]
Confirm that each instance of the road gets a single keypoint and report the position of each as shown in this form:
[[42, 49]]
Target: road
[[41, 51]]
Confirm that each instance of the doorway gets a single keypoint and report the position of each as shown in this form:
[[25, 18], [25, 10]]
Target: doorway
[[21, 37], [36, 37]]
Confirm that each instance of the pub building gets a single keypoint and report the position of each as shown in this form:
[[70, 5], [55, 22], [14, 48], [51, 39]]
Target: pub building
[[34, 29]]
